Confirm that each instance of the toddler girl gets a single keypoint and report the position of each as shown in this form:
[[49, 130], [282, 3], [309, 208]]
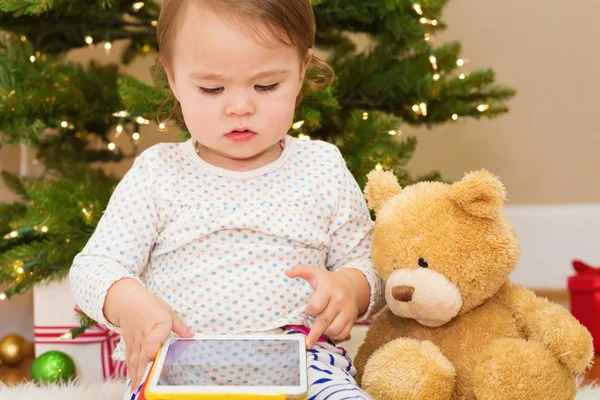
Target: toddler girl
[[241, 229]]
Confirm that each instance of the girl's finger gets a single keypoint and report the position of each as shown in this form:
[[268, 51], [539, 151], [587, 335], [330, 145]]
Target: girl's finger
[[133, 364], [337, 326], [317, 303], [141, 367], [320, 325], [347, 330]]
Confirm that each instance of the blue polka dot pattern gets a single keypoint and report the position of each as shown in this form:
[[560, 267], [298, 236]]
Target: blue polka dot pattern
[[214, 244]]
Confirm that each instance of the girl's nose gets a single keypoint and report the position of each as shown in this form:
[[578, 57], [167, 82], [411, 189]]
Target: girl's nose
[[240, 104]]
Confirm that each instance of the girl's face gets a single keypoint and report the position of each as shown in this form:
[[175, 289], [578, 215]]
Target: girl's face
[[228, 82]]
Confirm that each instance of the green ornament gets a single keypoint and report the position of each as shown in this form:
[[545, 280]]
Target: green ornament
[[53, 367]]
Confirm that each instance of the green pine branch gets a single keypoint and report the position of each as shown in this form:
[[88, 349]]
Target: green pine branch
[[54, 224]]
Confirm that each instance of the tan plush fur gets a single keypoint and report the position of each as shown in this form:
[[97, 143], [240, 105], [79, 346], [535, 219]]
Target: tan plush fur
[[467, 332]]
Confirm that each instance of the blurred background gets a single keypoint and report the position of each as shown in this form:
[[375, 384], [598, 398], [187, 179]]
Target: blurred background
[[544, 148]]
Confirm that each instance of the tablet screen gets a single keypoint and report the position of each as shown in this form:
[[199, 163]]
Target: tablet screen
[[243, 362]]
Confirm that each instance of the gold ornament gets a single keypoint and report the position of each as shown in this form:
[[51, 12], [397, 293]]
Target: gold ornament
[[14, 349], [13, 376]]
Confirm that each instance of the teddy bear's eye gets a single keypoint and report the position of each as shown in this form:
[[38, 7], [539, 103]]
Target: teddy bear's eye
[[423, 263]]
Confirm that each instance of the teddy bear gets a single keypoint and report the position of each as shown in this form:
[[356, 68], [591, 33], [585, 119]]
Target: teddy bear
[[455, 326]]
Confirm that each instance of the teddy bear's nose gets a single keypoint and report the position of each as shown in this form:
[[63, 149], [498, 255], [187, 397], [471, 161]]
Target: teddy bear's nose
[[402, 293]]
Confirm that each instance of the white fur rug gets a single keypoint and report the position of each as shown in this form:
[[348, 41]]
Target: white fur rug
[[113, 390]]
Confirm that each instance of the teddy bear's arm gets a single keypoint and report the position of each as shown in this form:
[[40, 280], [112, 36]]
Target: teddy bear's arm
[[381, 331], [551, 324]]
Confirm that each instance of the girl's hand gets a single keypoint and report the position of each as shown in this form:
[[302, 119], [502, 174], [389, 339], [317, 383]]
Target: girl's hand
[[335, 302], [146, 321]]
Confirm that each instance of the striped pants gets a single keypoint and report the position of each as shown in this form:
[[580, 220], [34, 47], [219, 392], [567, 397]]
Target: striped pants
[[330, 374]]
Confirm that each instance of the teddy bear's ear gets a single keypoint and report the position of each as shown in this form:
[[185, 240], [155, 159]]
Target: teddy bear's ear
[[381, 186], [479, 193]]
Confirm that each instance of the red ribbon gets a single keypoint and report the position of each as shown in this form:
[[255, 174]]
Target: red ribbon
[[585, 269], [97, 334]]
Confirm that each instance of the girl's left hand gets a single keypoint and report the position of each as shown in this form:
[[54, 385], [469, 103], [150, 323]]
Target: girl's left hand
[[334, 302]]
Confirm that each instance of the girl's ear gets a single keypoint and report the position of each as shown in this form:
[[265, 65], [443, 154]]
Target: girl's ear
[[305, 64], [171, 79]]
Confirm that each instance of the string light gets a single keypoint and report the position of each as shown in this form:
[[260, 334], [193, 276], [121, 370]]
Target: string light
[[154, 23], [146, 48], [304, 137], [436, 77], [418, 9], [461, 76], [111, 146], [107, 46], [482, 107], [23, 38], [378, 167], [89, 40], [138, 6], [428, 21], [86, 213], [135, 136], [119, 130], [65, 336], [121, 114], [64, 124], [297, 125], [433, 61], [2, 296], [423, 108], [393, 133], [20, 270], [162, 126], [415, 108], [11, 235], [44, 229], [32, 59], [427, 37], [460, 62], [141, 120], [454, 117], [67, 240], [365, 116]]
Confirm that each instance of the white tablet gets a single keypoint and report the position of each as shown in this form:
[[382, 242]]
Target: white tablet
[[230, 367]]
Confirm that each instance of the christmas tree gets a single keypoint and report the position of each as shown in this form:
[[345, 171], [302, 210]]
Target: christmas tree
[[71, 113]]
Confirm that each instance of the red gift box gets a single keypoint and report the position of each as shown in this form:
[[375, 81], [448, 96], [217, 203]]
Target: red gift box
[[585, 298]]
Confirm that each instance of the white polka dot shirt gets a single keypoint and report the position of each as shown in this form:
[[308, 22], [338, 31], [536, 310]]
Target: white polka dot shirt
[[214, 243]]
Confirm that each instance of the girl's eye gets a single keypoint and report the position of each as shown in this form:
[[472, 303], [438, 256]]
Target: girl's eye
[[211, 91], [267, 88]]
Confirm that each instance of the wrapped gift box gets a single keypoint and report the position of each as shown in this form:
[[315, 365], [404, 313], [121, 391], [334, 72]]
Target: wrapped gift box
[[54, 315], [584, 288]]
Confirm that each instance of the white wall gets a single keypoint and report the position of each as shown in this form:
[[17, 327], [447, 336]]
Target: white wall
[[551, 237]]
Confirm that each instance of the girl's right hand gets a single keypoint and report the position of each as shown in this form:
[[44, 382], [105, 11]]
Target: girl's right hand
[[146, 322]]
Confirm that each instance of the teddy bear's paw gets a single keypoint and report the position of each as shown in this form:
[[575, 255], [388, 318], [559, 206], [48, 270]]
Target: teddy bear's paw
[[568, 340], [408, 369], [516, 369]]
